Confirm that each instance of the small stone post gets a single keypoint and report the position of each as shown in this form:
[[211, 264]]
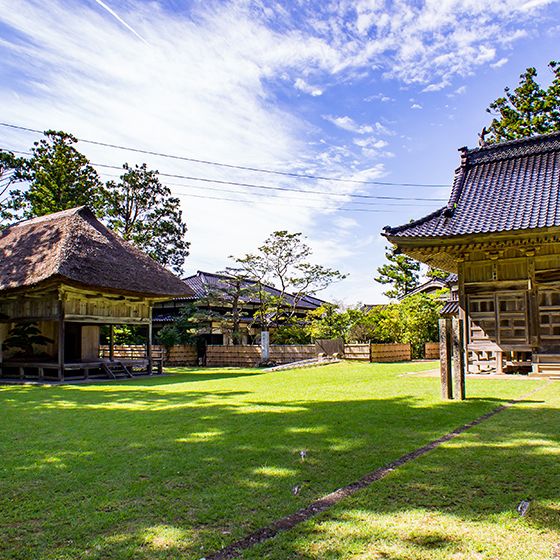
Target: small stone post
[[265, 346]]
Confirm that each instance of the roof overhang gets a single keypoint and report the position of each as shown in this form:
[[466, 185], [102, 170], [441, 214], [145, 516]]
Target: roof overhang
[[447, 252]]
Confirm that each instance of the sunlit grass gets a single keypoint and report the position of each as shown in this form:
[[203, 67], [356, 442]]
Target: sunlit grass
[[178, 466]]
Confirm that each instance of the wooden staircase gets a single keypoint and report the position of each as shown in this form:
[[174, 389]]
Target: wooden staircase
[[116, 370]]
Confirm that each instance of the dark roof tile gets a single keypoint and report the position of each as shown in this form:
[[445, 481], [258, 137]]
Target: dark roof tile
[[498, 188]]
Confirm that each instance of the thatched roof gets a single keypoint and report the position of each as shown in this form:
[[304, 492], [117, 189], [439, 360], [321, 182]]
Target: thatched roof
[[74, 247]]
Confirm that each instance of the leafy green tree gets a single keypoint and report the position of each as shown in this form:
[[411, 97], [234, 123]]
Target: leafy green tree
[[294, 333], [24, 336], [328, 321], [402, 273], [10, 200], [528, 110], [419, 315], [58, 176], [437, 273], [283, 261], [186, 327], [142, 211], [232, 293]]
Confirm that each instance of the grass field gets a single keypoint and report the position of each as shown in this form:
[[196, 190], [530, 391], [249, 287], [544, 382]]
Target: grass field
[[179, 466]]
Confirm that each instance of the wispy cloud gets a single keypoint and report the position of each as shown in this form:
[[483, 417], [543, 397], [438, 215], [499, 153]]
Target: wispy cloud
[[349, 124], [500, 63], [302, 85]]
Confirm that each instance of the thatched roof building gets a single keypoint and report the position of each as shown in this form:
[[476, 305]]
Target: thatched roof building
[[70, 274], [75, 248]]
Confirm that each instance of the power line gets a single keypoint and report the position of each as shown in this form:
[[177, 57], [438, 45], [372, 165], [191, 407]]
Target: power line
[[270, 187], [232, 166], [284, 189], [334, 208], [265, 195]]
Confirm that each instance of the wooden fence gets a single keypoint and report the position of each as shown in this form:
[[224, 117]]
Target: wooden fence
[[183, 355], [431, 351], [176, 356], [391, 353], [360, 352], [250, 356]]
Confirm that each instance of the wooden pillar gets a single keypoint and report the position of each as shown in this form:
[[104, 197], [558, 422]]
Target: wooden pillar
[[445, 352], [111, 343], [499, 362], [149, 345], [61, 340], [459, 392]]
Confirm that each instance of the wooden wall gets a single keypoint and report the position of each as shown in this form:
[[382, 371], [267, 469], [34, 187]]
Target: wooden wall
[[90, 342], [391, 352], [510, 298]]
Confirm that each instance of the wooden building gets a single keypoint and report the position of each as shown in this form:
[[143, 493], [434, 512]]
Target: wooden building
[[500, 232], [212, 295], [69, 274]]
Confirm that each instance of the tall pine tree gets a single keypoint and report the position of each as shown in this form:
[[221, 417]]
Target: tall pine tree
[[401, 273], [528, 110]]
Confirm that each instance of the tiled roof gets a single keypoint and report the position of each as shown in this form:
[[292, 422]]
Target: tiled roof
[[202, 284], [450, 308], [498, 188]]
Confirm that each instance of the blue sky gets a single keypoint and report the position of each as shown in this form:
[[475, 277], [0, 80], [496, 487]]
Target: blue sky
[[362, 90]]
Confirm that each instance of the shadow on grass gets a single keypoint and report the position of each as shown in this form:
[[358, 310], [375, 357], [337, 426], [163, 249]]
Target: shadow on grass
[[159, 474]]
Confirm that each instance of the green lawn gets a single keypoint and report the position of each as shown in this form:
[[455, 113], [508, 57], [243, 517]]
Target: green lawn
[[179, 466]]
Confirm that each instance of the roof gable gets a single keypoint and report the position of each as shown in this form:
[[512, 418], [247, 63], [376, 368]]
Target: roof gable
[[202, 284], [74, 246], [498, 188]]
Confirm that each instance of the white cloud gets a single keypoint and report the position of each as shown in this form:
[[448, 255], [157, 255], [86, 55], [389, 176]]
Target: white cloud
[[197, 89], [302, 85], [416, 106], [379, 97], [201, 87], [347, 123], [499, 63], [370, 142], [461, 90]]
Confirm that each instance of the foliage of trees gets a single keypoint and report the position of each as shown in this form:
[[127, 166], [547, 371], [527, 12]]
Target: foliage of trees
[[283, 261], [528, 110], [141, 210], [413, 320], [231, 293], [184, 329], [402, 273], [56, 176]]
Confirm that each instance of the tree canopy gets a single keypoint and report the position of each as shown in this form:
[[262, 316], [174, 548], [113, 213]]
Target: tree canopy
[[283, 261], [141, 210], [528, 110], [402, 273], [56, 176]]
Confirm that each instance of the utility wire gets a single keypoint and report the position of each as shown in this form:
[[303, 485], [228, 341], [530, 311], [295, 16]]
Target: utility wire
[[229, 165], [268, 187], [207, 188], [284, 189]]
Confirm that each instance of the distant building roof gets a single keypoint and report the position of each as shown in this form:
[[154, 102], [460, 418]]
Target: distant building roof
[[74, 247], [502, 187], [202, 284], [450, 308]]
